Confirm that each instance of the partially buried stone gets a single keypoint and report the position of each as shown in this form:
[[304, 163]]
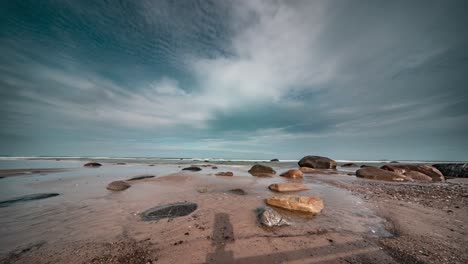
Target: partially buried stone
[[306, 204], [271, 218], [27, 198], [169, 211], [227, 173], [117, 186], [192, 168], [141, 177], [238, 191], [93, 165], [288, 187]]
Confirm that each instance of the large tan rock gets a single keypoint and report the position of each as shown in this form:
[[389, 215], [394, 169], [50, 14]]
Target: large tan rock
[[317, 162], [294, 174], [418, 176], [402, 169], [306, 204], [118, 186], [262, 171], [375, 173], [288, 187]]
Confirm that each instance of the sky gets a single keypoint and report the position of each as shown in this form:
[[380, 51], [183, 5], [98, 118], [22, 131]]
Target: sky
[[235, 79]]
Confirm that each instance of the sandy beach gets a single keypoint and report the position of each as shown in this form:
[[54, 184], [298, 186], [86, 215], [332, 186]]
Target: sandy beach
[[363, 221]]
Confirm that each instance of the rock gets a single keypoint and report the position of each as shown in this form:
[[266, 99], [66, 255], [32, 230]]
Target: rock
[[317, 162], [375, 173], [294, 174], [169, 211], [394, 161], [141, 177], [192, 168], [274, 160], [307, 170], [118, 186], [430, 171], [261, 171], [151, 165], [349, 165], [288, 187], [93, 165], [121, 163], [214, 168], [227, 173], [453, 169], [238, 191], [27, 198], [417, 176], [364, 166], [269, 217], [306, 204]]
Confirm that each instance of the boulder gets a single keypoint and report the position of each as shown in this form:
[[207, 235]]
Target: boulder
[[227, 173], [274, 160], [169, 211], [93, 165], [317, 162], [294, 174], [349, 165], [430, 171], [288, 187], [262, 171], [418, 176], [375, 173], [306, 204], [453, 169], [192, 168], [307, 170], [118, 186], [269, 217]]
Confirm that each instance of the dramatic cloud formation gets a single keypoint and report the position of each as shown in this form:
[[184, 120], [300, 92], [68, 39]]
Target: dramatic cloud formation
[[240, 79]]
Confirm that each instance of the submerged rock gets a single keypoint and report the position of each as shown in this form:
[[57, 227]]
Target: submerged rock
[[117, 186], [294, 174], [307, 170], [271, 218], [141, 177], [238, 191], [288, 187], [169, 211], [375, 173], [27, 198], [227, 173], [430, 171], [192, 168], [453, 169], [306, 204], [346, 165], [262, 171], [93, 165], [317, 162]]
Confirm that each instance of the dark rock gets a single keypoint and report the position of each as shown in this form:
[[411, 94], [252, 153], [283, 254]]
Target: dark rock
[[238, 191], [206, 161], [262, 171], [394, 161], [430, 171], [274, 160], [192, 168], [27, 198], [227, 173], [349, 165], [141, 177], [269, 217], [151, 165], [169, 211], [214, 168], [453, 169], [117, 186], [375, 173], [317, 162], [365, 166], [121, 163], [93, 165]]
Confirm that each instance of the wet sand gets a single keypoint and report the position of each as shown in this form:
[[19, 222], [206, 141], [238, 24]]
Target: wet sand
[[363, 221]]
